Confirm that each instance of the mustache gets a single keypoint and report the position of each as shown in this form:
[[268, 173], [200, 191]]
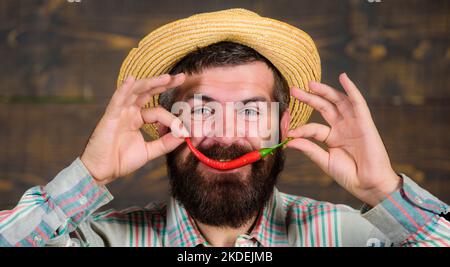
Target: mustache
[[217, 152]]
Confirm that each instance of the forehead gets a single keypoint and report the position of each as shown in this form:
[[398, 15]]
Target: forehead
[[231, 83]]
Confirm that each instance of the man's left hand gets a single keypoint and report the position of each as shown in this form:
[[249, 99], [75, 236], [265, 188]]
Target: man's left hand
[[356, 156]]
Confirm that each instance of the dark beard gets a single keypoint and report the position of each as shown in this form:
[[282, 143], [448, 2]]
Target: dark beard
[[226, 200]]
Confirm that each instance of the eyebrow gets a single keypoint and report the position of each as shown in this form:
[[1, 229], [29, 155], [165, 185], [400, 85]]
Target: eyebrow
[[206, 98]]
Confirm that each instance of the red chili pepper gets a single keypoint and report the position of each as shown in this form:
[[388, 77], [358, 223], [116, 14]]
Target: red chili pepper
[[235, 163]]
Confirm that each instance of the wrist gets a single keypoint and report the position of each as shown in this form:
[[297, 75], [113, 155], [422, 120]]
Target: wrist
[[88, 167], [382, 191]]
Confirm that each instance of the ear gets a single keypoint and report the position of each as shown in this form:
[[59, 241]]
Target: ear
[[284, 124]]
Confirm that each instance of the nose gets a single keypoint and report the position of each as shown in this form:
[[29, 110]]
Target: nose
[[227, 135], [226, 141]]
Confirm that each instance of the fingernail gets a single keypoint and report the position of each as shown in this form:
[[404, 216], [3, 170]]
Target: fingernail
[[178, 75], [163, 76], [179, 134], [184, 132]]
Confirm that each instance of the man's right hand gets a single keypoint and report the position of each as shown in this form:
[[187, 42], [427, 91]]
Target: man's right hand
[[117, 147]]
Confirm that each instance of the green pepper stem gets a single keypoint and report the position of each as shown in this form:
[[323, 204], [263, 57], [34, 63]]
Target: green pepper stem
[[268, 150]]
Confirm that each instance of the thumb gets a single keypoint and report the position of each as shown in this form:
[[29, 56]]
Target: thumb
[[312, 151], [167, 143]]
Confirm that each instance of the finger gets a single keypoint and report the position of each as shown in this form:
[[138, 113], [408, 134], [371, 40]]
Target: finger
[[120, 94], [328, 111], [143, 84], [176, 80], [161, 115], [148, 83], [165, 80], [144, 92], [118, 98], [167, 143], [339, 99], [312, 151], [355, 96], [146, 97], [316, 131]]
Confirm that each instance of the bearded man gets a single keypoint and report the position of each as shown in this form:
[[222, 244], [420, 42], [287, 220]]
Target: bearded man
[[177, 86]]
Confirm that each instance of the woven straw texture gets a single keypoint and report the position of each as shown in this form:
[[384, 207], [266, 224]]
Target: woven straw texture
[[290, 50]]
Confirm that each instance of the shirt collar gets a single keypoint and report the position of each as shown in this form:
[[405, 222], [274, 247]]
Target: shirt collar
[[181, 229], [270, 228]]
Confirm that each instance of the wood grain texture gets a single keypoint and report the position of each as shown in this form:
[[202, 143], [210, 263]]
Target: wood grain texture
[[59, 63]]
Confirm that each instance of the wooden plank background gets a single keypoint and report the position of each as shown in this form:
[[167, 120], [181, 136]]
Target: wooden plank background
[[60, 59]]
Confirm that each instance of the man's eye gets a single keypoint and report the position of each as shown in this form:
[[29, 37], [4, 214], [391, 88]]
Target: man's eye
[[203, 111], [249, 112]]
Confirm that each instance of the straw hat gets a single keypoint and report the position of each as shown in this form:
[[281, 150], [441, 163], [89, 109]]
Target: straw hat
[[290, 50]]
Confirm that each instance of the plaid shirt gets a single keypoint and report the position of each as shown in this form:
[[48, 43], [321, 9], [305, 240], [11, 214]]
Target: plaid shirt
[[62, 214]]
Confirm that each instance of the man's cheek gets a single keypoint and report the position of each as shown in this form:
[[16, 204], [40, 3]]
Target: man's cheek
[[250, 129], [265, 129]]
